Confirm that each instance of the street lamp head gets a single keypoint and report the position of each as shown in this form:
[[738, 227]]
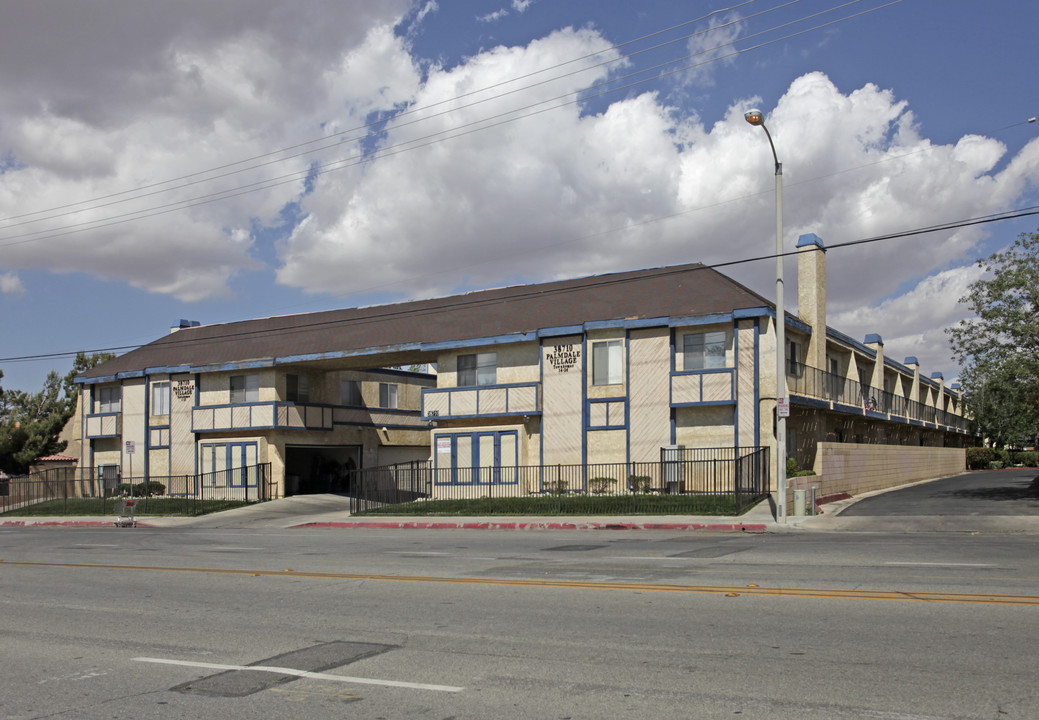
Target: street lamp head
[[754, 117]]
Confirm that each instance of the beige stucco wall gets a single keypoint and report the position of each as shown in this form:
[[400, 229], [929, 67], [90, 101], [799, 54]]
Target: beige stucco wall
[[856, 469]]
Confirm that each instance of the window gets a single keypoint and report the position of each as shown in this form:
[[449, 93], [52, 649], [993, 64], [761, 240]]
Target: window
[[387, 395], [110, 399], [245, 388], [479, 369], [297, 388], [606, 362], [160, 398], [702, 351], [795, 366], [350, 392]]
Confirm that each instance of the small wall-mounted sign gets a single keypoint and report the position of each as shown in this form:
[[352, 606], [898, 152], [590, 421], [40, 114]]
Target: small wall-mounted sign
[[563, 358]]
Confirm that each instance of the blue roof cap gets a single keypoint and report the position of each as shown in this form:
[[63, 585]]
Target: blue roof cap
[[874, 338], [910, 360], [809, 239], [937, 376]]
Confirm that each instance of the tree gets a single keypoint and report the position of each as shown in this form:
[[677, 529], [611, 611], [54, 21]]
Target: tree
[[998, 349], [30, 423]]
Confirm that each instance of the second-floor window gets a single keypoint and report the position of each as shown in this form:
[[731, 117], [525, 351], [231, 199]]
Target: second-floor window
[[388, 395], [794, 358], [607, 362], [109, 399], [350, 392], [478, 369], [704, 350], [160, 398], [297, 388], [245, 389]]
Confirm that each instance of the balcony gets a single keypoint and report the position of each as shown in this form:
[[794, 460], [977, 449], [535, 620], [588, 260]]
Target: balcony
[[481, 402], [702, 387], [261, 416], [843, 395], [104, 425]]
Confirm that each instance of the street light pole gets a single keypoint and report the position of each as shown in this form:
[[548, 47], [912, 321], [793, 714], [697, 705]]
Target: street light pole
[[755, 117]]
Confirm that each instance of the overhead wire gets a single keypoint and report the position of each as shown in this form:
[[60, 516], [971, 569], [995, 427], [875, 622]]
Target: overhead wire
[[403, 113], [385, 312], [440, 136]]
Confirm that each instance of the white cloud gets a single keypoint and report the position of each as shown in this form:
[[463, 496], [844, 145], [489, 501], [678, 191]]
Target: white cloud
[[11, 284], [558, 193], [913, 323], [493, 16], [712, 48]]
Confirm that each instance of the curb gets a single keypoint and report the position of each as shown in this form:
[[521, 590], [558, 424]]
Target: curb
[[66, 523], [510, 525]]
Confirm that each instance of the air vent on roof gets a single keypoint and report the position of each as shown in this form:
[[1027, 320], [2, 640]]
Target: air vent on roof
[[185, 324]]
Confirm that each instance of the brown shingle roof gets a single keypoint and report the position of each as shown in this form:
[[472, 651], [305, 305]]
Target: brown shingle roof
[[679, 291]]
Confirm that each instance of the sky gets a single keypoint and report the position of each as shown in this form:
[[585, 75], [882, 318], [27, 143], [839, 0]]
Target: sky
[[225, 161]]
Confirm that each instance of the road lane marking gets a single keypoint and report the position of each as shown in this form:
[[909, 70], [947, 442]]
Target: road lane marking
[[303, 674], [788, 592], [938, 564]]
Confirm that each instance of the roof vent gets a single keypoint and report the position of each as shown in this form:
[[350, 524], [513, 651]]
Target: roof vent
[[184, 324]]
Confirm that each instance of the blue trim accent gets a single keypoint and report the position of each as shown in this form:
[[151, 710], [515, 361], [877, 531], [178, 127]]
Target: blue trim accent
[[757, 382], [911, 360], [471, 388], [874, 338], [850, 409], [671, 391], [715, 319], [810, 239], [622, 399], [585, 370], [627, 401], [756, 312], [809, 402], [874, 414], [475, 468], [735, 385], [848, 340], [706, 403], [898, 366], [937, 376], [479, 342], [560, 331]]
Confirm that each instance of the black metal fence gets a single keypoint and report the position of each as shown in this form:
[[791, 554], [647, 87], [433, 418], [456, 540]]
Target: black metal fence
[[84, 492], [683, 481], [816, 383]]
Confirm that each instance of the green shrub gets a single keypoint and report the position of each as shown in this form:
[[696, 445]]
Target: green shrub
[[982, 458], [556, 487], [1029, 458], [794, 470], [601, 485], [149, 489], [638, 483]]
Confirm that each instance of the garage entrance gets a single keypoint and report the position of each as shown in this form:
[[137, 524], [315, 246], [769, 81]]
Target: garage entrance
[[320, 469]]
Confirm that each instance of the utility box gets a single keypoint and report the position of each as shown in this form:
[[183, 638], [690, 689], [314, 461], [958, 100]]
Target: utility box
[[673, 458]]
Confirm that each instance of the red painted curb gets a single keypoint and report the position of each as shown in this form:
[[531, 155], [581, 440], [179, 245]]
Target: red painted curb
[[463, 525]]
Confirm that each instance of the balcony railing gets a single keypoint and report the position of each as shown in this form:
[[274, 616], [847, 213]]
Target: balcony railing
[[104, 425], [821, 385], [485, 401]]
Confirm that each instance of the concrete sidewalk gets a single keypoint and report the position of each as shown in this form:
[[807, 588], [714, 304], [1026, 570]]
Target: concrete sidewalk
[[332, 511]]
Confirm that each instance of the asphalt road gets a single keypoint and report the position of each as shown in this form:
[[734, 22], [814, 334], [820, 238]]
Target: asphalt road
[[334, 623], [1013, 492]]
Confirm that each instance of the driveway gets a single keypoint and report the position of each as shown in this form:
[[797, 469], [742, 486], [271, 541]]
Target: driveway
[[991, 492]]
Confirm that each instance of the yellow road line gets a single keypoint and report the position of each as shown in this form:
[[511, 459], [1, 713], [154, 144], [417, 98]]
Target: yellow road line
[[733, 591]]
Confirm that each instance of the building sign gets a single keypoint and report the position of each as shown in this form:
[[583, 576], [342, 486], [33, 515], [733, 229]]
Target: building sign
[[183, 389], [783, 407], [131, 445], [563, 358]]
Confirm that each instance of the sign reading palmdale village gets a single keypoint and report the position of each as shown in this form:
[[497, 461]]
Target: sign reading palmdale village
[[563, 358], [183, 389]]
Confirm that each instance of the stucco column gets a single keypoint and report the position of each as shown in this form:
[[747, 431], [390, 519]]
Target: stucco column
[[811, 296]]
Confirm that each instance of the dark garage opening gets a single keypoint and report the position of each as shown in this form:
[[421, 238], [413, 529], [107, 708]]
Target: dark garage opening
[[320, 469]]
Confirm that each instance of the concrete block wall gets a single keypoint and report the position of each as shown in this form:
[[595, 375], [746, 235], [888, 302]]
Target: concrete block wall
[[853, 469]]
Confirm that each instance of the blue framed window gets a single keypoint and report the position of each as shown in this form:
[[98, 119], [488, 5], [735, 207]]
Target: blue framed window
[[477, 458]]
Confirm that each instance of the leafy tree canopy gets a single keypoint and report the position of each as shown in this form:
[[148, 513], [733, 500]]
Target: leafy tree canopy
[[31, 422], [998, 349]]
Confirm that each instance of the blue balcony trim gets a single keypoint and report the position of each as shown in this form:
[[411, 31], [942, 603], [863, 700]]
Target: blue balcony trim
[[508, 387]]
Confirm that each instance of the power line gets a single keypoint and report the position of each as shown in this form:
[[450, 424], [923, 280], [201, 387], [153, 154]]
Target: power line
[[438, 137], [380, 121], [382, 313]]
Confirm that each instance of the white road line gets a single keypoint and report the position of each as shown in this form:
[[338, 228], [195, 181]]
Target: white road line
[[417, 552], [937, 564], [303, 674]]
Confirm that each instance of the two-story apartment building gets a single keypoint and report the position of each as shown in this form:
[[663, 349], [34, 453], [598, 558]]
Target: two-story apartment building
[[602, 369]]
